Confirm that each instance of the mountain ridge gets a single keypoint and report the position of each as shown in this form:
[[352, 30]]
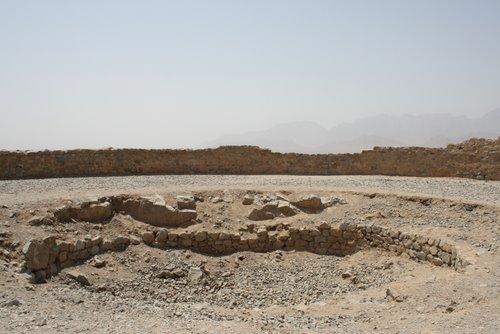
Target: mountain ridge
[[431, 130]]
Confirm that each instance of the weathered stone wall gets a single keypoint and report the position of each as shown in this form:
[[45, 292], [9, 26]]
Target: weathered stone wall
[[476, 158], [47, 257]]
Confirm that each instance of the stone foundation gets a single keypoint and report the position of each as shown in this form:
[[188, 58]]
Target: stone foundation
[[47, 257]]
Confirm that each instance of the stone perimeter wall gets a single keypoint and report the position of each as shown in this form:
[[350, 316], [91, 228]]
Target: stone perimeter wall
[[475, 158], [47, 257]]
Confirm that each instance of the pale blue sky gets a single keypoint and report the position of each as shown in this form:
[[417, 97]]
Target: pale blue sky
[[178, 73]]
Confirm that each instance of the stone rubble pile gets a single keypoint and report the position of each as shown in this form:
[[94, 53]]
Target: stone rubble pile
[[151, 210], [270, 206], [178, 279]]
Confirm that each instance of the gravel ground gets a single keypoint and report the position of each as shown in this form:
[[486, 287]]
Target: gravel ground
[[454, 188], [371, 291]]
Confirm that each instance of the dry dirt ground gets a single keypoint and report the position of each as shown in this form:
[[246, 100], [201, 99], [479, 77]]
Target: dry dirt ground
[[371, 291]]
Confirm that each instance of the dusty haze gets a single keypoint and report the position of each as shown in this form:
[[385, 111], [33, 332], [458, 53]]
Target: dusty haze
[[182, 74]]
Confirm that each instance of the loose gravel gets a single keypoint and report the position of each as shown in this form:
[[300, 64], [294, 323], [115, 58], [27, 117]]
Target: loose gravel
[[17, 191]]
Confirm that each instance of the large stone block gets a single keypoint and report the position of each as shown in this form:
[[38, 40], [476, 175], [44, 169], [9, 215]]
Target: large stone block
[[37, 255]]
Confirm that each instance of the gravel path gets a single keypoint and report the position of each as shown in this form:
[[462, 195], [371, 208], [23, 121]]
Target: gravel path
[[23, 191]]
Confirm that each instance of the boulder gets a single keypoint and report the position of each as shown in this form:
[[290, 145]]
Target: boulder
[[260, 213], [129, 206], [287, 209], [90, 212], [63, 213], [272, 209], [183, 216], [186, 202], [309, 202], [37, 255], [41, 220], [154, 211], [148, 237], [162, 236], [95, 212]]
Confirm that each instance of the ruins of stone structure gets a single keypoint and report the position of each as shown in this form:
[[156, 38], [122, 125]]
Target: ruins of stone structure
[[475, 158]]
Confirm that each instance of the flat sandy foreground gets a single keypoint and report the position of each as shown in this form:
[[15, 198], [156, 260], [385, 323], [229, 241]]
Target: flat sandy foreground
[[151, 290]]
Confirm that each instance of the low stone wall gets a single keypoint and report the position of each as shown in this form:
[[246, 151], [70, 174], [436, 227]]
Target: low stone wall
[[472, 159], [339, 240], [47, 257]]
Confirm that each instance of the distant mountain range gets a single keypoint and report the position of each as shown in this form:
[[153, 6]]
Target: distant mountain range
[[434, 130]]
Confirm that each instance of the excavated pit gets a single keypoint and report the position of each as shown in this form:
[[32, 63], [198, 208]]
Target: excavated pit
[[163, 227], [268, 262], [227, 256]]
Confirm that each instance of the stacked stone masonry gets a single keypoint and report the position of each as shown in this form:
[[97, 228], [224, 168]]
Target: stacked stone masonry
[[47, 257], [475, 158]]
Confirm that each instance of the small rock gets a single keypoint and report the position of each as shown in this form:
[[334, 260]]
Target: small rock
[[35, 221], [38, 277], [148, 237], [393, 295], [346, 274], [216, 200], [195, 274], [135, 240], [98, 263], [248, 199], [79, 277], [375, 215], [13, 302], [41, 322], [388, 265], [172, 273], [186, 202], [329, 201]]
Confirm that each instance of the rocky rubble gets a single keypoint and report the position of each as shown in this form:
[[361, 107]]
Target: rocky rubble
[[277, 278], [276, 205], [377, 264], [152, 210]]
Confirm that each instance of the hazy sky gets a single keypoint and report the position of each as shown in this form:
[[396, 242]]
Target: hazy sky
[[178, 73]]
